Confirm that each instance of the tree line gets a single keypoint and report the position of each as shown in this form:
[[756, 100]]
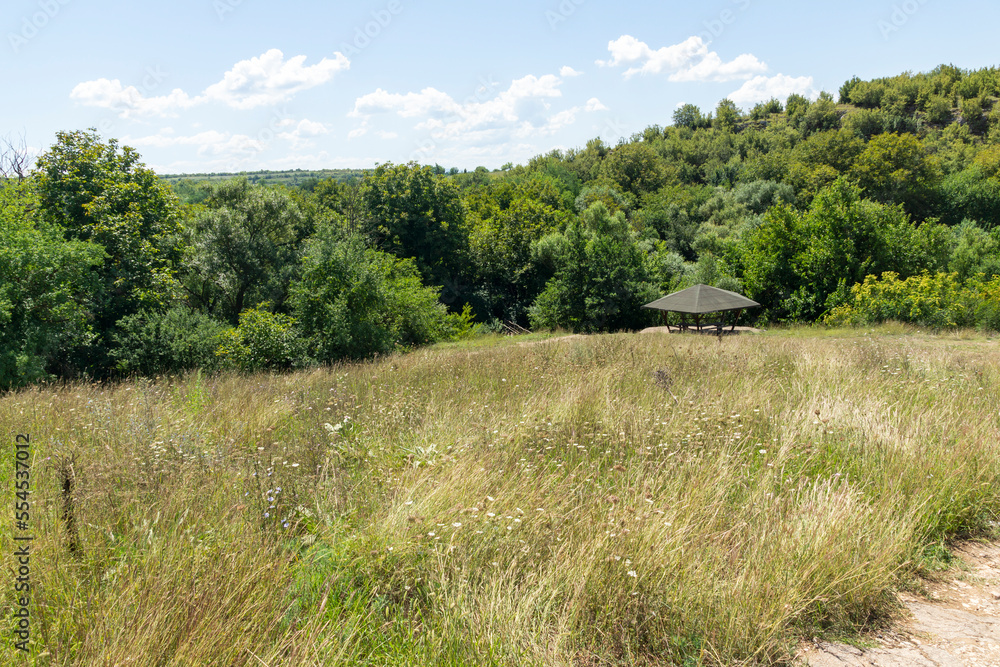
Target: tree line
[[804, 205]]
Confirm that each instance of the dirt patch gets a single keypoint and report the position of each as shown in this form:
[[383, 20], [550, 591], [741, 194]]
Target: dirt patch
[[957, 623]]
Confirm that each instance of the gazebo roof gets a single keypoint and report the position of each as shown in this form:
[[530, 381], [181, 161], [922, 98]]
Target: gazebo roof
[[702, 299]]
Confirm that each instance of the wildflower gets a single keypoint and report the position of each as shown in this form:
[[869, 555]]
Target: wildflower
[[633, 574]]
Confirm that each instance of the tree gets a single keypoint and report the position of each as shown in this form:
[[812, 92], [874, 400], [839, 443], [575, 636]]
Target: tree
[[970, 195], [795, 264], [972, 115], [601, 279], [341, 199], [820, 115], [14, 158], [893, 168], [586, 164], [796, 107], [689, 115], [845, 90], [727, 114], [411, 213], [99, 192], [635, 167], [763, 110], [938, 110], [244, 248], [974, 251], [45, 291], [506, 220]]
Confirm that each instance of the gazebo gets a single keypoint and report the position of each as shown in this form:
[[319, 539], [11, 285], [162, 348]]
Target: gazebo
[[702, 300]]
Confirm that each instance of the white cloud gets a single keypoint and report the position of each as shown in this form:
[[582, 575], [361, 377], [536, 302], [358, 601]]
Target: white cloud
[[264, 80], [270, 79], [594, 104], [128, 100], [523, 109], [551, 125], [689, 60], [211, 143], [237, 145], [165, 139], [762, 88], [428, 101], [303, 134], [308, 128], [568, 71]]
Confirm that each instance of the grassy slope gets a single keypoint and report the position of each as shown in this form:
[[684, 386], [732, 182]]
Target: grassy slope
[[629, 499]]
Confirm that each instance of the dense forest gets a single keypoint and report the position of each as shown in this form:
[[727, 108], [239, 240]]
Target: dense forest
[[882, 203]]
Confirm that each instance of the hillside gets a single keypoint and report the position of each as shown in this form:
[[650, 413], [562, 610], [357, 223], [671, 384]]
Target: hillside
[[289, 178], [615, 499]]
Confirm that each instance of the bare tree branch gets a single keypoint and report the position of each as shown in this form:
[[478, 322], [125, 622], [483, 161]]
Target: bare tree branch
[[14, 158]]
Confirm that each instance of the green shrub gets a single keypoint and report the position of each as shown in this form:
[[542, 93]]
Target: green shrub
[[356, 302], [938, 110], [763, 110], [151, 343], [263, 341], [938, 300], [866, 94], [607, 194]]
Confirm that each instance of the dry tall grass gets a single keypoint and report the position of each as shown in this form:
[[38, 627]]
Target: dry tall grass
[[604, 500]]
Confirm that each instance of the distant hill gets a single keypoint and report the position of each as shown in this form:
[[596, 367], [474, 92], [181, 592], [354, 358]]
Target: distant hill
[[291, 178]]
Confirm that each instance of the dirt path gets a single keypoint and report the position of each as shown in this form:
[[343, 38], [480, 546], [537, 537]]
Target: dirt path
[[957, 624]]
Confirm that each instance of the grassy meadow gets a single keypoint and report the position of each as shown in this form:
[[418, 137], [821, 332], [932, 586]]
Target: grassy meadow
[[604, 500]]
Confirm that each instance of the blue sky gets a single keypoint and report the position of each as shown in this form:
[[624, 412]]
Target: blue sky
[[232, 85]]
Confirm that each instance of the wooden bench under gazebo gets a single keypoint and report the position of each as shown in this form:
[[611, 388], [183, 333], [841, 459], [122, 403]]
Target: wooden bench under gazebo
[[699, 301]]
